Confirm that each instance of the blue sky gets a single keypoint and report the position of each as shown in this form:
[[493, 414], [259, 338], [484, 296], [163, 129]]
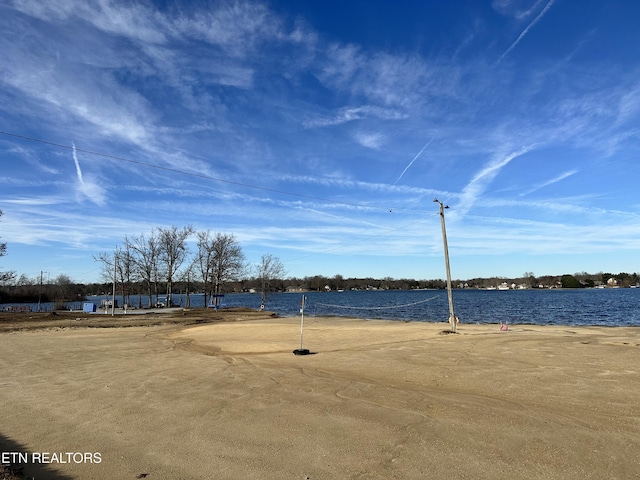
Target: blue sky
[[321, 131]]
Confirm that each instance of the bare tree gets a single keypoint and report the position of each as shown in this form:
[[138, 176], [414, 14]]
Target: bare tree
[[228, 263], [173, 251], [270, 268], [107, 264], [203, 261], [3, 246], [187, 277], [5, 277], [112, 270], [64, 289], [145, 256], [126, 271]]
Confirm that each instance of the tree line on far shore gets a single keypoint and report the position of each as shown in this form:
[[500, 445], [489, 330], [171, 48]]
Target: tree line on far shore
[[62, 288], [161, 263], [22, 289]]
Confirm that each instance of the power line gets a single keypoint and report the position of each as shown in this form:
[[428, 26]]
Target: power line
[[240, 184], [192, 174]]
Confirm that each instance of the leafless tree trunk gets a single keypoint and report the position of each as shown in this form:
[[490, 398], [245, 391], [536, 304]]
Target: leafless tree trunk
[[126, 268], [228, 263], [203, 261], [5, 276], [187, 277], [173, 251], [106, 260], [270, 268], [63, 289], [145, 253]]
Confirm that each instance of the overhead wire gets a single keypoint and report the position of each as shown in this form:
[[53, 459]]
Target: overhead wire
[[195, 174], [230, 182]]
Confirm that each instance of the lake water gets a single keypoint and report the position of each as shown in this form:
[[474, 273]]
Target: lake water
[[612, 307], [619, 307]]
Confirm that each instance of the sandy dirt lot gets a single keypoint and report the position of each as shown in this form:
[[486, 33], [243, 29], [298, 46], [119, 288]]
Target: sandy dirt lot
[[374, 400]]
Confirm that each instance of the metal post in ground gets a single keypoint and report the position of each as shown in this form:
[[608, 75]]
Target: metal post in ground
[[301, 351]]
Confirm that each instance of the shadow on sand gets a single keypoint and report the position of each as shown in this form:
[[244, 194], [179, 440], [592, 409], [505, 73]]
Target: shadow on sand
[[19, 470]]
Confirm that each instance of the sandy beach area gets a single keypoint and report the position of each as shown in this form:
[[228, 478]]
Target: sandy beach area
[[373, 400]]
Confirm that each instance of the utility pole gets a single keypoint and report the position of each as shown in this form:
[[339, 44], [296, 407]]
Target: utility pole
[[40, 291], [453, 320]]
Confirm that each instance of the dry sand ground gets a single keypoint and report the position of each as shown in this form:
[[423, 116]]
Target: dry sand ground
[[376, 400]]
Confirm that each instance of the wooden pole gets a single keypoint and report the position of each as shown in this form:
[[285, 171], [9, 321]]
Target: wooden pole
[[452, 317]]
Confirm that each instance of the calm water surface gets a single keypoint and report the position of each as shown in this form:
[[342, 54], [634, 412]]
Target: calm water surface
[[613, 307], [542, 307]]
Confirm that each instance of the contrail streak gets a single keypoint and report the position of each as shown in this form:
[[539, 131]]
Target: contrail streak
[[75, 159], [89, 189], [414, 159], [557, 179], [526, 30]]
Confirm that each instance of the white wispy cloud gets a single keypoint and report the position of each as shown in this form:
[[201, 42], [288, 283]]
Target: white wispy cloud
[[132, 20], [22, 202], [118, 111], [629, 105], [373, 140], [350, 114], [516, 8], [481, 180], [32, 159], [500, 235], [47, 219], [237, 27], [390, 80]]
